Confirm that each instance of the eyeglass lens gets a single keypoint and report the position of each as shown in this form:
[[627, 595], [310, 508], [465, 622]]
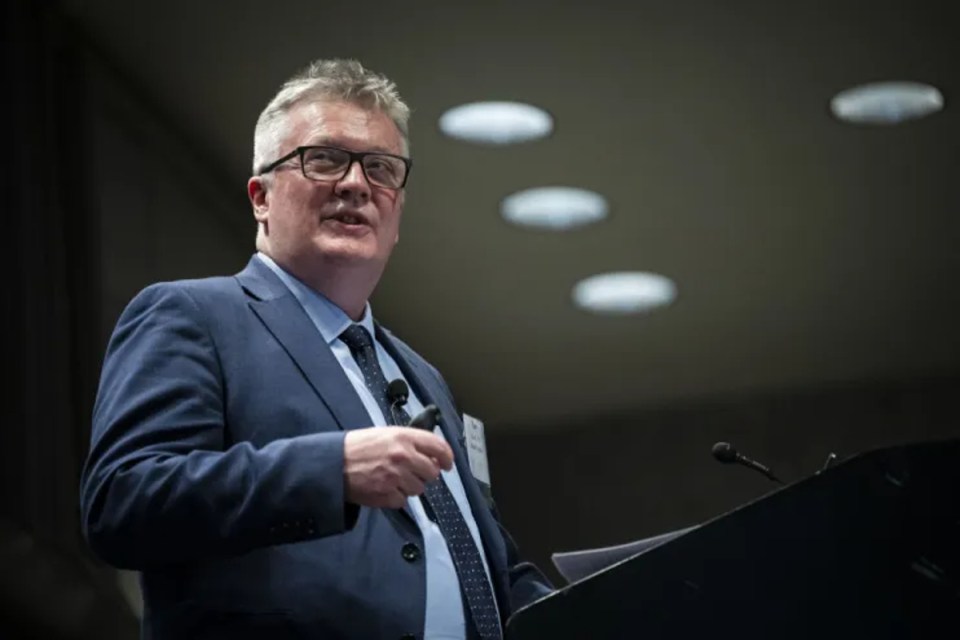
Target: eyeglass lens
[[331, 164]]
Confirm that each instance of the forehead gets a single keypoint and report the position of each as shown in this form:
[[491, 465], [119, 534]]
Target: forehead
[[342, 124]]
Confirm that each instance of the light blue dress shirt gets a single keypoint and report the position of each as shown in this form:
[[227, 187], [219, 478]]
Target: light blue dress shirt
[[444, 608]]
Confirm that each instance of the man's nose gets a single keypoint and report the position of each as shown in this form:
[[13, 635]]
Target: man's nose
[[354, 183]]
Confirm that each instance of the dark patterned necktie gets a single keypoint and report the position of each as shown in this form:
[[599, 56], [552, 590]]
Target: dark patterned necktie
[[463, 550]]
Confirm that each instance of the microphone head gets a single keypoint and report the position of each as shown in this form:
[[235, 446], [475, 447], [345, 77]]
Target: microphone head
[[723, 452], [398, 391]]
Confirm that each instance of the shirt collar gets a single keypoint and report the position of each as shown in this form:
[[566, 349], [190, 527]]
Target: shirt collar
[[329, 319]]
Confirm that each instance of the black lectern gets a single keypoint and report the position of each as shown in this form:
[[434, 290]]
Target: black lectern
[[865, 549]]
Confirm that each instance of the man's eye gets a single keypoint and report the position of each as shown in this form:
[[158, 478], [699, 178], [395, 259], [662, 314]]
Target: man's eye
[[380, 166], [323, 157]]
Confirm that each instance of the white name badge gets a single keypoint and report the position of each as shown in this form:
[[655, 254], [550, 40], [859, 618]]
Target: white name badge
[[476, 449]]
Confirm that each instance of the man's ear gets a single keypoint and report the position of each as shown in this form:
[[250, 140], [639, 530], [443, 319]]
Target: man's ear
[[257, 192]]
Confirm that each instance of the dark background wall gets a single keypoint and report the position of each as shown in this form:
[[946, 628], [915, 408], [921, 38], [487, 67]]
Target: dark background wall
[[103, 196], [49, 585]]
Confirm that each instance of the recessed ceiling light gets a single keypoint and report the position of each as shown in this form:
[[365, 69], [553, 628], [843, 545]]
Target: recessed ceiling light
[[554, 208], [886, 102], [496, 122], [624, 292]]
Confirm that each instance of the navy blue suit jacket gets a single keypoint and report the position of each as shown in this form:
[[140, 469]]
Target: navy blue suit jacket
[[216, 470]]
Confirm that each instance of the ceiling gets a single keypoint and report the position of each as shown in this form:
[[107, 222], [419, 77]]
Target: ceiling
[[805, 252]]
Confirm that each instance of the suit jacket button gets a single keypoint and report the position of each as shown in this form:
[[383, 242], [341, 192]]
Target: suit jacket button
[[410, 552]]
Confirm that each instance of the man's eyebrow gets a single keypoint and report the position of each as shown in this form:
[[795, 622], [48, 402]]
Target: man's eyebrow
[[327, 142]]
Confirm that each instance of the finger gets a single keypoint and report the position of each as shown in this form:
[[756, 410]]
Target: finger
[[396, 499], [410, 485], [433, 446], [425, 468]]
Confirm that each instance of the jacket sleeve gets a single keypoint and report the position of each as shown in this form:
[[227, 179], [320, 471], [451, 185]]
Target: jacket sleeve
[[159, 486], [527, 582]]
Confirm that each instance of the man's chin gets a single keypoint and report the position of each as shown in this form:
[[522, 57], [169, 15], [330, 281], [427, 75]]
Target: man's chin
[[349, 254]]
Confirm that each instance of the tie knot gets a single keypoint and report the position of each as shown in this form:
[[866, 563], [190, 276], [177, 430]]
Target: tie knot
[[357, 338]]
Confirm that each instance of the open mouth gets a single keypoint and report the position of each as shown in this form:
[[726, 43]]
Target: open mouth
[[348, 219]]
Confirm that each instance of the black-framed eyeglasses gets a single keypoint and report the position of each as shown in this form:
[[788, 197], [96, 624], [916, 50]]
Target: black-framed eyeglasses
[[330, 164]]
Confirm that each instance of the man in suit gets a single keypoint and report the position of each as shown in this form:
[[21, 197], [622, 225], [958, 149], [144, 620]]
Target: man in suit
[[246, 456]]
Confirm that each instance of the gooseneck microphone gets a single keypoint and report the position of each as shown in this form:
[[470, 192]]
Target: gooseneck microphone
[[725, 453], [397, 393]]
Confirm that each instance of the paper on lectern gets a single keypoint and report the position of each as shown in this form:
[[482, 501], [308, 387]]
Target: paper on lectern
[[576, 565]]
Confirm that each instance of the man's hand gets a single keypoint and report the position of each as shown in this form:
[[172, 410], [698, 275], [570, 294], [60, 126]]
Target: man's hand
[[382, 466]]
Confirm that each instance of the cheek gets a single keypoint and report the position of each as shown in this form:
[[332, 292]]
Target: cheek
[[391, 205], [394, 226], [300, 210]]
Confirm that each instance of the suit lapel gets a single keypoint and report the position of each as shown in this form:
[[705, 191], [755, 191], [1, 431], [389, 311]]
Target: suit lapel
[[427, 388], [286, 320]]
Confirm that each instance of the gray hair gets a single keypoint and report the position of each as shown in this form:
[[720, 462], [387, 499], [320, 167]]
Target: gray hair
[[332, 80]]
